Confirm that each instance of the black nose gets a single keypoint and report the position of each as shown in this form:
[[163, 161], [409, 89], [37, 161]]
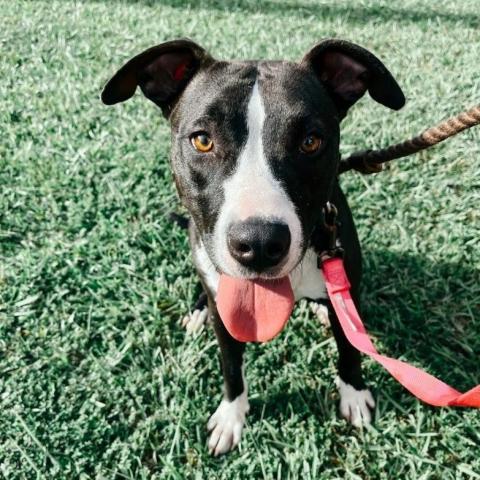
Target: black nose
[[258, 244]]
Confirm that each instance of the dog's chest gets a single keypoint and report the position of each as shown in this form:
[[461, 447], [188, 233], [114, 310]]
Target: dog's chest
[[306, 279]]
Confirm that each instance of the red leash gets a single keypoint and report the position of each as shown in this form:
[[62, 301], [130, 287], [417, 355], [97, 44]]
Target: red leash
[[424, 386]]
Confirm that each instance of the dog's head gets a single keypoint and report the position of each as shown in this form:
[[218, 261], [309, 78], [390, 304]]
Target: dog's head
[[255, 144]]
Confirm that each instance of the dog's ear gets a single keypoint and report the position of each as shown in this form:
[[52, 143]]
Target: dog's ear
[[162, 72], [348, 71]]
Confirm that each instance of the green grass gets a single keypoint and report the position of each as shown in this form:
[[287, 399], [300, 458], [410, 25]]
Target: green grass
[[97, 378]]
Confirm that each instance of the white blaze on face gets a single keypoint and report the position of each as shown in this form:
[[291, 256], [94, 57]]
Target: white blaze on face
[[253, 191]]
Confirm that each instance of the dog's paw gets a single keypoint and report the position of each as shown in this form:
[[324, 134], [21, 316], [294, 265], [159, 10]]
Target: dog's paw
[[321, 312], [226, 425], [193, 322], [355, 405]]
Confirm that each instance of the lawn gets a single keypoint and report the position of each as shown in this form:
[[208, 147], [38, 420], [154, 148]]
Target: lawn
[[97, 377]]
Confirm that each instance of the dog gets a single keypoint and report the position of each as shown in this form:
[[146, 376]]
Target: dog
[[255, 157]]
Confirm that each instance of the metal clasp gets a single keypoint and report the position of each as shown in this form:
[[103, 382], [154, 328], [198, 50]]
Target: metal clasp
[[330, 225]]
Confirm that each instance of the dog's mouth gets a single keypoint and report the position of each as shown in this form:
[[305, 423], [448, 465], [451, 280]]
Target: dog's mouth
[[255, 306], [254, 296], [254, 310]]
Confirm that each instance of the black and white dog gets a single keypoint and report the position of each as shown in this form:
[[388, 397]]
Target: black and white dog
[[255, 154]]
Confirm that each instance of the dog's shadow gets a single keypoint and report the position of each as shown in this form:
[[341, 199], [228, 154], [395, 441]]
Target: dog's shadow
[[423, 312]]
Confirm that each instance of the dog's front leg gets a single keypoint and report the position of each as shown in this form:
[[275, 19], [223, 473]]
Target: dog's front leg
[[356, 400], [226, 424]]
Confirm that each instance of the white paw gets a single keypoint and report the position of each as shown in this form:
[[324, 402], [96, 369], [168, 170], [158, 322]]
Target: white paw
[[226, 424], [321, 312], [355, 405], [193, 322]]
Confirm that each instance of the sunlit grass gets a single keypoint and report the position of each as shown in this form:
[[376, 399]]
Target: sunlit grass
[[97, 379]]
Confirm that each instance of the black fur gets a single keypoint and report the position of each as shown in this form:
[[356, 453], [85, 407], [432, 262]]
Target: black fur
[[198, 93]]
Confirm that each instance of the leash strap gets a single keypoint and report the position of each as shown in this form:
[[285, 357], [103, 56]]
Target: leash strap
[[424, 386], [371, 161]]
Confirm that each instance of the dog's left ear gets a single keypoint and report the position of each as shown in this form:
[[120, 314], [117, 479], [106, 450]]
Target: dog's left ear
[[162, 72], [348, 71]]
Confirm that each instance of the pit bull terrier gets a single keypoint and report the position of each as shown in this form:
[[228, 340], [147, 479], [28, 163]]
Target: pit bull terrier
[[255, 154]]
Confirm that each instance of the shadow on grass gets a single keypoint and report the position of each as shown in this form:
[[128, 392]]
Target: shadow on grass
[[424, 313], [351, 14], [428, 313]]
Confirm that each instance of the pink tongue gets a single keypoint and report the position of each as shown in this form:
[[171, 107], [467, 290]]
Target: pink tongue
[[254, 310]]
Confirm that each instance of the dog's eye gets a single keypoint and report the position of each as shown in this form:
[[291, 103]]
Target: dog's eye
[[310, 144], [202, 142]]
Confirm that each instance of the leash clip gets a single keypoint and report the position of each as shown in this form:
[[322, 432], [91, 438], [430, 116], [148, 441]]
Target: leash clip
[[330, 226]]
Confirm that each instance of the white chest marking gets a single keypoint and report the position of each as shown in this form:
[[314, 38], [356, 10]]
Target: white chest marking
[[307, 279]]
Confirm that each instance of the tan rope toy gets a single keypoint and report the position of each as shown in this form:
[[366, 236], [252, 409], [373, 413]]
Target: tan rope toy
[[371, 161]]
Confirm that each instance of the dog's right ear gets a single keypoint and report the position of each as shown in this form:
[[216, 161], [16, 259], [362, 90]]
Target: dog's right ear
[[162, 72]]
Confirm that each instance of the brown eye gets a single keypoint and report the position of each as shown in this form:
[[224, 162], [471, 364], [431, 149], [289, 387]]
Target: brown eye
[[311, 143], [202, 142]]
